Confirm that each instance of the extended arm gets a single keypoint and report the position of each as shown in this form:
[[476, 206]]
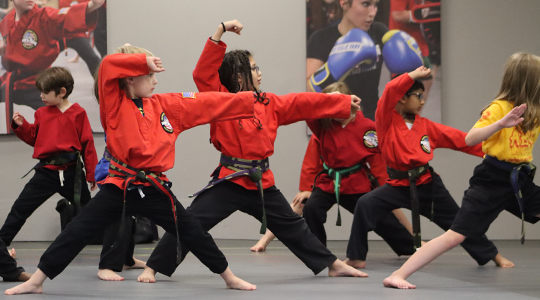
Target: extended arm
[[513, 118]]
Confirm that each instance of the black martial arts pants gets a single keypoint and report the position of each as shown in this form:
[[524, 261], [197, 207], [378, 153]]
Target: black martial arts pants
[[388, 227], [215, 204], [106, 209], [376, 204]]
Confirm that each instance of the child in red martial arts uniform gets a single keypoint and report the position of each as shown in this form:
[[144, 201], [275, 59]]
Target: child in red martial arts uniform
[[30, 45], [142, 148], [407, 141], [61, 136], [245, 147]]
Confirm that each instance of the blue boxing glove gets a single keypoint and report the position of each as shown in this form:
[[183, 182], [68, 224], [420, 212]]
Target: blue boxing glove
[[401, 52], [354, 48]]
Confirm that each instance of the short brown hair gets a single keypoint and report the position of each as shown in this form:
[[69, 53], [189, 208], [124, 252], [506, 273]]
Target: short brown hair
[[54, 79]]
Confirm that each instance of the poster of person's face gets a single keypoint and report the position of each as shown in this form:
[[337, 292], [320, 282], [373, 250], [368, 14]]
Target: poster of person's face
[[365, 43], [39, 34]]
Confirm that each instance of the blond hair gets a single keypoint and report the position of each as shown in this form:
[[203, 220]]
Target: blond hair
[[521, 84], [340, 87], [126, 49]]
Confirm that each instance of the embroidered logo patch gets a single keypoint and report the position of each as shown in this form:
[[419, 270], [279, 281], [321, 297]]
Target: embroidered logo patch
[[370, 139], [30, 40], [424, 143], [64, 10], [165, 123], [189, 95]]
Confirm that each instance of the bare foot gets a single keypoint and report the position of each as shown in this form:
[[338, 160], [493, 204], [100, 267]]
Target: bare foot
[[340, 269], [109, 275], [239, 284], [24, 276], [139, 264], [12, 252], [356, 263], [147, 276], [502, 262], [25, 288], [395, 281], [260, 246]]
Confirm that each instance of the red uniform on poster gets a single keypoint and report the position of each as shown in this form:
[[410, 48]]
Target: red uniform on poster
[[254, 139], [56, 137], [31, 45], [70, 3], [148, 142], [412, 29], [344, 147], [404, 149]]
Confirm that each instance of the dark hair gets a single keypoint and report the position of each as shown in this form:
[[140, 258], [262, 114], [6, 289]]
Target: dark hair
[[417, 85], [54, 79], [235, 64]]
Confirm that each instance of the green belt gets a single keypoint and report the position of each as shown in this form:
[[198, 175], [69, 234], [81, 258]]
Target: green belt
[[336, 175]]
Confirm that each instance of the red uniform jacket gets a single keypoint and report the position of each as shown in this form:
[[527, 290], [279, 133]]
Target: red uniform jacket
[[404, 149], [345, 147], [32, 43], [54, 132], [67, 4], [248, 142], [148, 142], [311, 165]]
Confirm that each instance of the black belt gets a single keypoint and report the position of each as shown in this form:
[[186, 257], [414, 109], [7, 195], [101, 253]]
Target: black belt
[[243, 167], [515, 170], [413, 174], [62, 159], [130, 174]]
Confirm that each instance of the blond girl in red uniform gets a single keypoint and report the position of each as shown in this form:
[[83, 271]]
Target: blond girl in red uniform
[[142, 148]]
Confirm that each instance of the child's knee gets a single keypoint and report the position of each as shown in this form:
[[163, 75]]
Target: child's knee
[[454, 238]]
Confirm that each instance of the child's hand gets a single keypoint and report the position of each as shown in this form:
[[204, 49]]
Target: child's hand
[[93, 185], [513, 118], [18, 118], [154, 64], [301, 198], [355, 104], [233, 26], [420, 72]]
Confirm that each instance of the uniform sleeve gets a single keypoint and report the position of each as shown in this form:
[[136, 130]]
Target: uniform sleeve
[[490, 115], [378, 167], [114, 67], [204, 108], [206, 74], [393, 91], [69, 20], [312, 164], [442, 136], [27, 132], [88, 150], [292, 108]]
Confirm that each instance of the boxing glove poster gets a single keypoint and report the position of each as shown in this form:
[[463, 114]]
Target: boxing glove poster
[[364, 43], [40, 34]]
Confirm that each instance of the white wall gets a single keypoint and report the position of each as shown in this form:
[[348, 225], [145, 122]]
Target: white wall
[[478, 36]]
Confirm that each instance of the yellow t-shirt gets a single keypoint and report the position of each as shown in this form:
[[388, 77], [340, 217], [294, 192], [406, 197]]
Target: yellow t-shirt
[[507, 144]]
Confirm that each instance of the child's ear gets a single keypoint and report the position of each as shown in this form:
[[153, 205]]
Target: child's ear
[[129, 80], [240, 79], [62, 93], [403, 100]]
